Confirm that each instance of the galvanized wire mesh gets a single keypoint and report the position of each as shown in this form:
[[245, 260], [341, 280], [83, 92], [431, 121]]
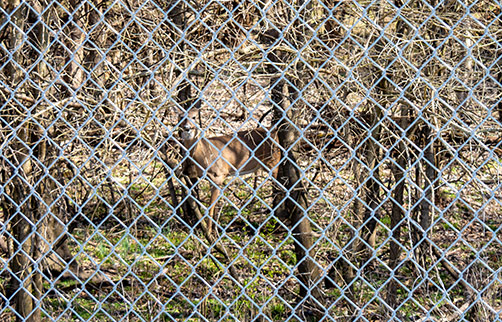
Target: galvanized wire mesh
[[385, 204]]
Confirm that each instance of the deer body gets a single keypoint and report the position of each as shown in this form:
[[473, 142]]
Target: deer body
[[223, 156]]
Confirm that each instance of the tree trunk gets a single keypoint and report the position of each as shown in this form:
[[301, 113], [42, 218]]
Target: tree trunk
[[429, 176], [19, 211], [290, 206], [75, 60], [38, 236], [397, 212], [290, 203], [183, 98]]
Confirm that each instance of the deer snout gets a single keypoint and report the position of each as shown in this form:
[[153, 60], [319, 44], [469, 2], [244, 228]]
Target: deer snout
[[188, 132]]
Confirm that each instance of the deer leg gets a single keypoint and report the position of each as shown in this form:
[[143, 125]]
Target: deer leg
[[216, 182], [215, 192]]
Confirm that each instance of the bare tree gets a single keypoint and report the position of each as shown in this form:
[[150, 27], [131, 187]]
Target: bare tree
[[291, 200], [30, 203]]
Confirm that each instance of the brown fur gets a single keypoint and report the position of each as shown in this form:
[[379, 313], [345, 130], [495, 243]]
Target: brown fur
[[236, 156]]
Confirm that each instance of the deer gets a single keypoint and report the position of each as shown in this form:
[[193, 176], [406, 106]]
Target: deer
[[220, 157]]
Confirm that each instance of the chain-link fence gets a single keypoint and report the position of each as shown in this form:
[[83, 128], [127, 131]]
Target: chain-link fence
[[226, 160]]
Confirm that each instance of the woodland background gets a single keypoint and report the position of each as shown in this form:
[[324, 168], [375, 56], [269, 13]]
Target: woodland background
[[391, 114]]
